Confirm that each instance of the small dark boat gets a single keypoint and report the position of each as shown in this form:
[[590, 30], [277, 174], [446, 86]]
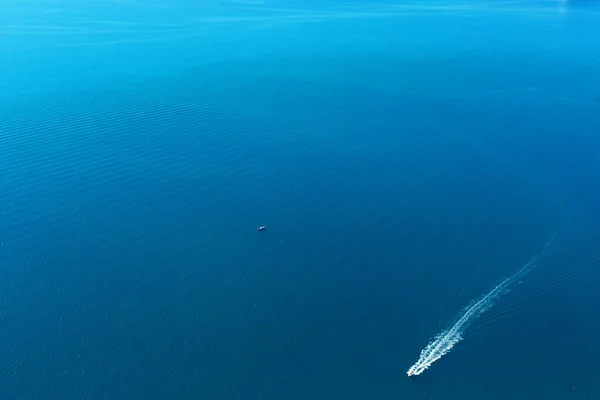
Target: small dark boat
[[261, 228]]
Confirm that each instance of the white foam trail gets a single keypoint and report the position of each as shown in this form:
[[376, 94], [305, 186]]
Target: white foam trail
[[445, 341]]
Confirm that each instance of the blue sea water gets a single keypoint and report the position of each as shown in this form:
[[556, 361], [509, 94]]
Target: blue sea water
[[404, 156]]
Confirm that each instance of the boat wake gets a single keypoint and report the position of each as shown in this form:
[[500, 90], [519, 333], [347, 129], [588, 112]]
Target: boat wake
[[445, 341]]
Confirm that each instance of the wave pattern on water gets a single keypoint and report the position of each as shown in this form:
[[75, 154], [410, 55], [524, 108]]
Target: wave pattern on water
[[445, 341]]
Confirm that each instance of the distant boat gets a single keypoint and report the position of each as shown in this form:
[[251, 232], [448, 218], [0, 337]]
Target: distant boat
[[261, 228]]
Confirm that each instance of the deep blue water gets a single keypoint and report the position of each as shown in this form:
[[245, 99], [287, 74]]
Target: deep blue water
[[404, 157]]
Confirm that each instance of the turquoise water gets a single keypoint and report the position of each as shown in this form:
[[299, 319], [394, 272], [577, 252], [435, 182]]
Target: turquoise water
[[404, 157]]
